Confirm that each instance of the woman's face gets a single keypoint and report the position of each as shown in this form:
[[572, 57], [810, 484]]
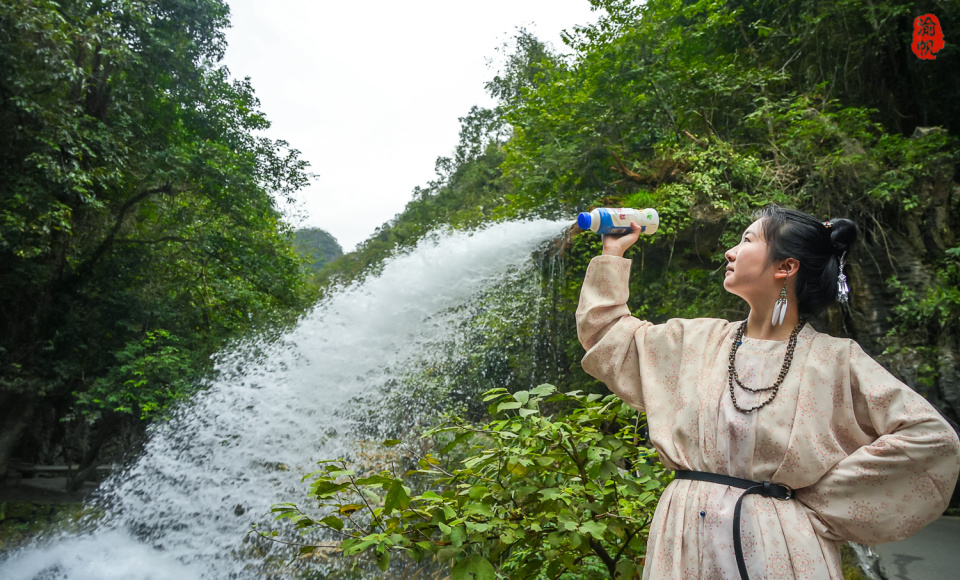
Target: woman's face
[[748, 272]]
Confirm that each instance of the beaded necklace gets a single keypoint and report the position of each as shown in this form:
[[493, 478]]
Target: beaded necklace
[[734, 378]]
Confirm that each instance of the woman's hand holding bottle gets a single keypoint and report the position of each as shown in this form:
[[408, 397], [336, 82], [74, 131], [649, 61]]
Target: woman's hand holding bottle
[[617, 245], [612, 224]]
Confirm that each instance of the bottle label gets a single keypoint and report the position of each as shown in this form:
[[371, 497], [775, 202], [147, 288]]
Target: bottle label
[[617, 221]]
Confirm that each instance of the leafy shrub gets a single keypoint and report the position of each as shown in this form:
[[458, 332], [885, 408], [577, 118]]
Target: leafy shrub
[[535, 493]]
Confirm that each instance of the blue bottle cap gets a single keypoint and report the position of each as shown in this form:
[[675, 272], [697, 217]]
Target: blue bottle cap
[[584, 220]]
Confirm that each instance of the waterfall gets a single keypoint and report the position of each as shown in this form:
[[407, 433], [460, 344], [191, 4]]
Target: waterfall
[[184, 508]]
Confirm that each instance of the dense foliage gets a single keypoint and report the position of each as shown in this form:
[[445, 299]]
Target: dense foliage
[[538, 493], [140, 219]]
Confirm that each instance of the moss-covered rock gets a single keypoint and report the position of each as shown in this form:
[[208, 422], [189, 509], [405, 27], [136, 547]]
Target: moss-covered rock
[[21, 522]]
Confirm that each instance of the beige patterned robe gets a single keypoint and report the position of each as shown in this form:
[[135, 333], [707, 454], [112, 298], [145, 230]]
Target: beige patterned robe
[[871, 460]]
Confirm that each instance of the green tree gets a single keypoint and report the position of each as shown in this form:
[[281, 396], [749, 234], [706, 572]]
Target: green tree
[[140, 216]]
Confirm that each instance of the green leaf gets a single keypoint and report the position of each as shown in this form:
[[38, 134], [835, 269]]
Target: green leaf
[[595, 529], [608, 469], [350, 508], [392, 442], [448, 553], [375, 480], [333, 521], [473, 567], [458, 535], [509, 536], [550, 493], [359, 547], [477, 526], [493, 394], [404, 499], [383, 559], [396, 496], [507, 406], [478, 509], [625, 570], [543, 390], [335, 473], [596, 453], [325, 489], [461, 437]]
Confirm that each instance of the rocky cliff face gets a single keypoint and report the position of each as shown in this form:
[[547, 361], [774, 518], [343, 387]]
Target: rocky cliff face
[[913, 247], [929, 363]]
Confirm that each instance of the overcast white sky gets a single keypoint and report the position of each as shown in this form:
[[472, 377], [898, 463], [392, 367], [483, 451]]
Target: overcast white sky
[[370, 92]]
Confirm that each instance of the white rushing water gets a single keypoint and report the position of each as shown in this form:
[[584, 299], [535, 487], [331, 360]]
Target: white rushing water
[[184, 508]]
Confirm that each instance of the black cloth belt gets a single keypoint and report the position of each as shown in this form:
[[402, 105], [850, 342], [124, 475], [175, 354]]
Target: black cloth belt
[[766, 489]]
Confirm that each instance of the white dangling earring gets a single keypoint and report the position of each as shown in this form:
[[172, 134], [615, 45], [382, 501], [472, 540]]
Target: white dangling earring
[[780, 307]]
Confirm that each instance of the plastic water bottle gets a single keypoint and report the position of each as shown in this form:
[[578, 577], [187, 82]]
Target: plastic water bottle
[[616, 221]]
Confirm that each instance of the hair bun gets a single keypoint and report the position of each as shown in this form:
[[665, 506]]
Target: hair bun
[[843, 233]]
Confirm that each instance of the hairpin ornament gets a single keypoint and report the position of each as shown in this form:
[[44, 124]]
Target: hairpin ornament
[[843, 291]]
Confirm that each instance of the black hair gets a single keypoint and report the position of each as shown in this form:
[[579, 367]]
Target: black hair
[[817, 245]]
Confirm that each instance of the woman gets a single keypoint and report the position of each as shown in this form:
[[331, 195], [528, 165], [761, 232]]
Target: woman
[[848, 451]]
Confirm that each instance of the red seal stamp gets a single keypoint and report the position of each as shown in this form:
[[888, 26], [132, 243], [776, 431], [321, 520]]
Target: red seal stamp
[[927, 37]]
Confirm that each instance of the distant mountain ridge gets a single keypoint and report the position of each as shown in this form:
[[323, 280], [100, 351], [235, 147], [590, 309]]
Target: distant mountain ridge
[[318, 246]]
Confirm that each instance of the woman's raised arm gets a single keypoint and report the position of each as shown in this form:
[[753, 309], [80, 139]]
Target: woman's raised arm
[[607, 331]]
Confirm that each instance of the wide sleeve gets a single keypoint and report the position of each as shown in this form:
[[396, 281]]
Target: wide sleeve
[[607, 331], [889, 489]]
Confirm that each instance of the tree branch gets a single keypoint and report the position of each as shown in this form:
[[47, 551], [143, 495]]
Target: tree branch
[[630, 536], [272, 539], [622, 169], [600, 551], [84, 269], [666, 173]]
